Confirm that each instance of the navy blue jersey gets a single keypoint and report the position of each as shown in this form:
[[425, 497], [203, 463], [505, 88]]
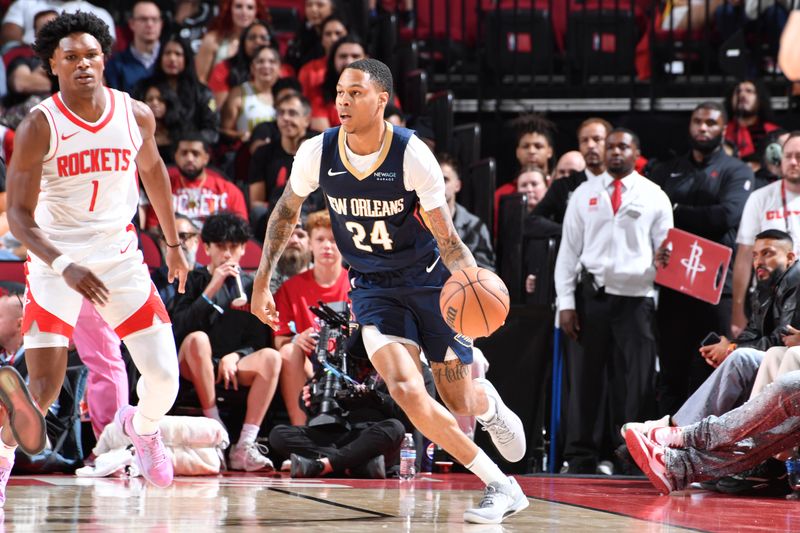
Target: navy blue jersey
[[376, 222]]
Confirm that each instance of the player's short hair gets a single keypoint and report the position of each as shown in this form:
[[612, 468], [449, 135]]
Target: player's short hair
[[776, 235], [317, 220], [594, 120], [225, 227], [633, 135], [66, 24], [712, 106], [378, 72]]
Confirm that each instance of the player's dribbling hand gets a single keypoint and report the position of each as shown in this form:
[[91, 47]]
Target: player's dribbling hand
[[263, 305], [178, 267], [83, 280]]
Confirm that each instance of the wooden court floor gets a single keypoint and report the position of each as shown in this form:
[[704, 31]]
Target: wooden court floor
[[435, 503]]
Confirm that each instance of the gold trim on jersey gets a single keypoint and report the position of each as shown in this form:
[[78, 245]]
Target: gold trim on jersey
[[387, 144]]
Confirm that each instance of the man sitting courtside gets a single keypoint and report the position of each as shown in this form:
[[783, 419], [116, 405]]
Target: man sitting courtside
[[221, 342]]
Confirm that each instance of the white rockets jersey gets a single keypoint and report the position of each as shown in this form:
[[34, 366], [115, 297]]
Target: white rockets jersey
[[89, 185]]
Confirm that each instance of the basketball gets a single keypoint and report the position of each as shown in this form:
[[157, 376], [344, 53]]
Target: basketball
[[474, 302]]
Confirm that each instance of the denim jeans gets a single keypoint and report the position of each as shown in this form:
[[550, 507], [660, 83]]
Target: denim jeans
[[740, 439], [726, 388]]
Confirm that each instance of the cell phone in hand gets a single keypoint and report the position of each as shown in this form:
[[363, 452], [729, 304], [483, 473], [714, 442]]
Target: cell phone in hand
[[711, 338]]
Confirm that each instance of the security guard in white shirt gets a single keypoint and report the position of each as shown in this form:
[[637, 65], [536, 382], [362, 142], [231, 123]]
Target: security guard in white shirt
[[614, 231]]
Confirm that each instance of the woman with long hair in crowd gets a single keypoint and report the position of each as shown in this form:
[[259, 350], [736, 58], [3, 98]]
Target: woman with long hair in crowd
[[251, 103], [346, 50], [197, 108], [312, 74], [532, 182], [163, 102], [307, 44], [222, 39], [236, 70]]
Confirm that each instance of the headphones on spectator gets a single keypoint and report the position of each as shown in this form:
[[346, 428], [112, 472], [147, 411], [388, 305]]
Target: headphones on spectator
[[773, 154]]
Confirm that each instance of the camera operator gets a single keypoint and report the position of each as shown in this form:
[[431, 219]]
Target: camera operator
[[367, 437]]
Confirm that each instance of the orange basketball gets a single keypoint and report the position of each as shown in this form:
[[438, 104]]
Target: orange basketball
[[474, 302]]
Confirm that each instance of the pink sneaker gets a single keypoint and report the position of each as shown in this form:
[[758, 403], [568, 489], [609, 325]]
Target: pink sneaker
[[150, 456], [5, 471], [24, 418], [650, 458]]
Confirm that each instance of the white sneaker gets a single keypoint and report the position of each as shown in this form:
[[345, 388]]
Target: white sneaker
[[508, 434], [286, 465], [644, 427], [250, 457], [498, 503]]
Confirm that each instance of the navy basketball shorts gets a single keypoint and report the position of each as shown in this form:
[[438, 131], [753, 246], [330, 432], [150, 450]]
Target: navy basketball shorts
[[405, 303]]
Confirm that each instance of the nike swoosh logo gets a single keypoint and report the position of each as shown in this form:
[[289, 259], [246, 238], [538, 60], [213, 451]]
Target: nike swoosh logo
[[126, 248], [430, 268], [675, 174], [332, 173], [65, 137]]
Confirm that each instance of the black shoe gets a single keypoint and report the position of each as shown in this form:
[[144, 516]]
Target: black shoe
[[627, 466], [767, 479], [305, 467], [579, 468], [375, 468], [710, 485]]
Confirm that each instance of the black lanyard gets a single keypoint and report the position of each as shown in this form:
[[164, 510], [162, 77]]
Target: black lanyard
[[785, 209]]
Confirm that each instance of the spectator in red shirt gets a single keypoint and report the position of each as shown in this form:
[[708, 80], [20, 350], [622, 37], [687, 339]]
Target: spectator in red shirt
[[748, 106], [326, 281], [198, 191]]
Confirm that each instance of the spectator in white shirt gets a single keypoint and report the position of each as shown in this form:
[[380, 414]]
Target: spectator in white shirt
[[613, 233], [776, 206]]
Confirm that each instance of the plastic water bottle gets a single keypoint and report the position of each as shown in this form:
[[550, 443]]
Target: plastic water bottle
[[408, 458]]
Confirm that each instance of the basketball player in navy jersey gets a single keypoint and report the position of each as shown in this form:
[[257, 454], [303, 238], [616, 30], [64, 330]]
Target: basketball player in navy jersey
[[72, 192], [385, 195]]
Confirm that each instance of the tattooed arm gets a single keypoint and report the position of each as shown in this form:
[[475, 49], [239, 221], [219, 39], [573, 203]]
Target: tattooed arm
[[455, 255], [279, 228]]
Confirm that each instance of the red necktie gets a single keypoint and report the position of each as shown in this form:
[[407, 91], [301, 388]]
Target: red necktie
[[616, 196]]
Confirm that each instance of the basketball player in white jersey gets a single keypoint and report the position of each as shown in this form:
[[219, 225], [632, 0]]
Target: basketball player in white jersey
[[72, 191]]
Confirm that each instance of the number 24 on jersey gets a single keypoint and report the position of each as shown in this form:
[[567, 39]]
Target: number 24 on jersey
[[379, 236]]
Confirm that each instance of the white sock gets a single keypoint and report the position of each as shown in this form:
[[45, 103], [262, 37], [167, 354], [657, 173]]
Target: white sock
[[248, 434], [7, 451], [213, 412], [490, 412], [143, 425], [484, 468]]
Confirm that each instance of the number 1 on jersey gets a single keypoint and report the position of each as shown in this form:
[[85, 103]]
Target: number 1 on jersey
[[378, 236], [95, 186]]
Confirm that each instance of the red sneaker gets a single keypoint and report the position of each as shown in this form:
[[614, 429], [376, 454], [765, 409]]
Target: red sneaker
[[24, 418], [650, 458], [150, 456]]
